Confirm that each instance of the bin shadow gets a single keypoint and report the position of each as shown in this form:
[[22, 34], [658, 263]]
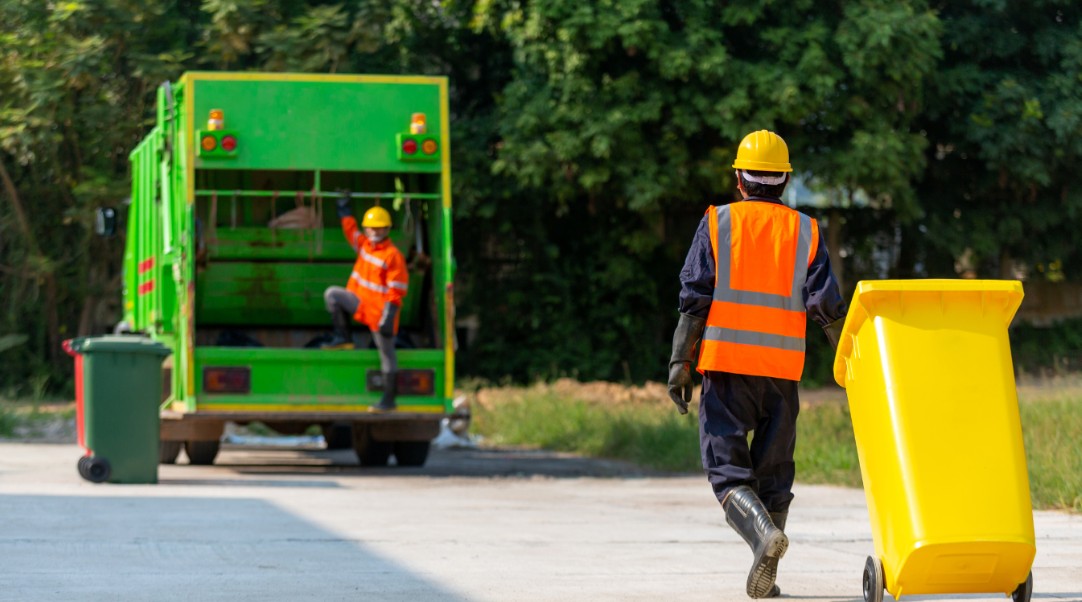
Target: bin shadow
[[187, 548]]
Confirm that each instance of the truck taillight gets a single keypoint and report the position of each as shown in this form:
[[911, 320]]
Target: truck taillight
[[229, 143], [430, 147], [410, 382], [227, 380], [208, 143], [409, 147]]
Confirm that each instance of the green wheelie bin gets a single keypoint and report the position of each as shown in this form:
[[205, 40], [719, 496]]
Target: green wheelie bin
[[118, 389]]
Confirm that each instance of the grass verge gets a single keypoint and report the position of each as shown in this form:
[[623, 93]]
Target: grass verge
[[640, 425]]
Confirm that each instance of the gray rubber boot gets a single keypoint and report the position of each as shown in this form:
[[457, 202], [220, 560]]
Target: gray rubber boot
[[746, 514], [390, 389]]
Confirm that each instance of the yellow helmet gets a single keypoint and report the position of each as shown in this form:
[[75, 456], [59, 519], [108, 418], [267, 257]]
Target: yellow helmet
[[762, 151], [376, 217]]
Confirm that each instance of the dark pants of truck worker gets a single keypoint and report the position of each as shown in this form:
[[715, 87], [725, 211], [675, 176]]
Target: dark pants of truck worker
[[732, 407], [337, 298]]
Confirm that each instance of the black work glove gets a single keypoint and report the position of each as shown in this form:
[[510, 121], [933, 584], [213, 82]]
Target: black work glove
[[386, 320], [834, 332], [343, 205], [680, 385], [684, 342]]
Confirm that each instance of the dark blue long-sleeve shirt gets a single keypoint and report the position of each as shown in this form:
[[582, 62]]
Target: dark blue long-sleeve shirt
[[822, 295]]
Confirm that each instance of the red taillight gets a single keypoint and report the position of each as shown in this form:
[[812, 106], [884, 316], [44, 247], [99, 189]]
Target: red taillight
[[227, 380], [409, 147], [430, 147], [416, 382], [208, 143], [229, 144], [410, 382]]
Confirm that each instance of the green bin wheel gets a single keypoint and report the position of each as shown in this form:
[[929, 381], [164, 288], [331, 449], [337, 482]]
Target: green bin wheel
[[201, 453], [873, 580], [95, 470], [83, 460], [369, 451], [411, 453], [168, 452], [1024, 591]]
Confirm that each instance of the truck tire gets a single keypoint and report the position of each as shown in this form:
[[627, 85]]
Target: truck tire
[[338, 435], [369, 451], [411, 453], [168, 452], [201, 453]]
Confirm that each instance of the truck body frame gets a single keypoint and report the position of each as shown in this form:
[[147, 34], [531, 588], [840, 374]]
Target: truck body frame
[[232, 238]]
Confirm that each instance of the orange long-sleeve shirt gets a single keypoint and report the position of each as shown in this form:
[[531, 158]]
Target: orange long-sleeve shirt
[[379, 275]]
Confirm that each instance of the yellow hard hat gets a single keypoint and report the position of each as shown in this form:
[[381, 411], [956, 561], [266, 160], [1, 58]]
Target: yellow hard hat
[[376, 217], [762, 151]]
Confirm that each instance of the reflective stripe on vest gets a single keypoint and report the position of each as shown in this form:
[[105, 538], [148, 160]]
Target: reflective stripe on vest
[[758, 332]]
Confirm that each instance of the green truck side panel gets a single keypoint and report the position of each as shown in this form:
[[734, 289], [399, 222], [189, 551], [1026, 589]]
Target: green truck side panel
[[322, 125]]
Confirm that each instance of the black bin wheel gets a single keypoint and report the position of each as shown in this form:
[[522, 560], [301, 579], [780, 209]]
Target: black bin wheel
[[873, 580], [1024, 591], [93, 469]]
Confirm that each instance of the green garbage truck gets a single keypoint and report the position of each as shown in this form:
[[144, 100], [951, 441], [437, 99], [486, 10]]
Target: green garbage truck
[[233, 237]]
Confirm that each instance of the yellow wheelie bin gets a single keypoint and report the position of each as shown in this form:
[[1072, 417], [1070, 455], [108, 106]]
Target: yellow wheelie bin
[[926, 365]]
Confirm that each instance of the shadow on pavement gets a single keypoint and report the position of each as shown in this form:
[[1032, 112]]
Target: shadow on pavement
[[185, 548], [475, 462]]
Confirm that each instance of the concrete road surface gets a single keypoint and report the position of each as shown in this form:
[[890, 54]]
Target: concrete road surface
[[472, 525]]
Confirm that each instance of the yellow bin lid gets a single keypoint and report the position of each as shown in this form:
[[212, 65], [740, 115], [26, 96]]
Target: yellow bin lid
[[1001, 295]]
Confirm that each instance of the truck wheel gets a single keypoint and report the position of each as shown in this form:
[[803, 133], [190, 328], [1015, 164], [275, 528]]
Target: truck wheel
[[338, 435], [168, 452], [369, 451], [411, 453], [201, 453]]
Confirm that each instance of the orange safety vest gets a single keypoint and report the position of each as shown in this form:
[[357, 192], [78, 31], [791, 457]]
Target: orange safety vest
[[757, 319], [379, 275]]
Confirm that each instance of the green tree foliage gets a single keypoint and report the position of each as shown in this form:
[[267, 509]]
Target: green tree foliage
[[1004, 122], [588, 139]]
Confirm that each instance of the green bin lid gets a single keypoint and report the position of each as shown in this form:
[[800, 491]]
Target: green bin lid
[[119, 344]]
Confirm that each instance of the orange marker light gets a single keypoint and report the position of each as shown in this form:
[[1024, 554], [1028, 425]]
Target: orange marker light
[[216, 120], [208, 143], [418, 124], [429, 147]]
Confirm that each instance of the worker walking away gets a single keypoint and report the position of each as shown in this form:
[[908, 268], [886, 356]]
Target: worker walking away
[[755, 271], [374, 293]]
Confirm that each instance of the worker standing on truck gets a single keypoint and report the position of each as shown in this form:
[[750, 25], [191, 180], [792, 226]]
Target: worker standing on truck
[[755, 271], [374, 293]]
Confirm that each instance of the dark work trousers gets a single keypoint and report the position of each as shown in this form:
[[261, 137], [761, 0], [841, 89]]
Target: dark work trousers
[[337, 298], [732, 407]]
